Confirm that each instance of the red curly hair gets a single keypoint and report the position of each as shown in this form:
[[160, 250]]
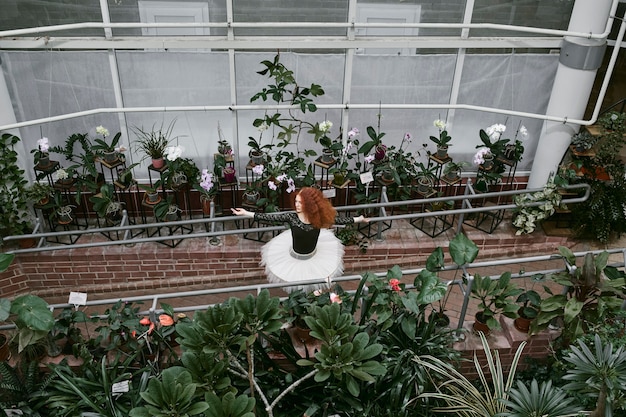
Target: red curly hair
[[317, 209]]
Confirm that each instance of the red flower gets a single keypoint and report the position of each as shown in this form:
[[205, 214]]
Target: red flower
[[395, 284], [165, 320]]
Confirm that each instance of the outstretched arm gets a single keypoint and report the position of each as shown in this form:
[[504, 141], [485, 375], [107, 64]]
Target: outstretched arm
[[361, 219], [242, 212]]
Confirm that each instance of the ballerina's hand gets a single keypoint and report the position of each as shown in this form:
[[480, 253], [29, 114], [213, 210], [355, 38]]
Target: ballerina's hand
[[361, 219], [238, 211]]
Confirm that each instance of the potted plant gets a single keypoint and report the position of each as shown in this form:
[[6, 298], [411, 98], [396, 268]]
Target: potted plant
[[167, 210], [41, 154], [494, 297], [593, 289], [224, 148], [375, 143], [39, 193], [530, 301], [109, 151], [207, 188], [106, 204], [63, 211], [452, 170], [82, 171], [583, 141], [154, 142], [258, 153], [180, 171], [151, 192], [426, 177], [443, 141], [613, 120]]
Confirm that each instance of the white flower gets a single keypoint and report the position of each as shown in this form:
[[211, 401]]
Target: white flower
[[272, 186], [353, 132], [172, 153], [281, 177], [439, 124], [102, 131], [495, 131], [370, 158], [408, 137], [479, 157], [258, 169], [291, 185], [43, 144], [317, 293], [61, 174], [325, 126], [263, 127], [523, 132], [335, 298]]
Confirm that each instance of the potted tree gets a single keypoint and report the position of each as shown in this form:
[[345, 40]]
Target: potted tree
[[154, 142], [494, 297]]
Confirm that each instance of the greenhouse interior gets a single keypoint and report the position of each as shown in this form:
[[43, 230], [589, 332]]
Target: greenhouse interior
[[237, 208]]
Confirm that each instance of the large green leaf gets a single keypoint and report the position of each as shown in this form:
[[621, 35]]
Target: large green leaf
[[463, 250]]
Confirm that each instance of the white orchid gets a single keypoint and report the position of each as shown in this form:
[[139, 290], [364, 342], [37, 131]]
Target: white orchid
[[61, 174], [495, 131], [258, 169], [479, 157], [43, 144], [172, 153], [102, 131], [439, 124], [325, 126]]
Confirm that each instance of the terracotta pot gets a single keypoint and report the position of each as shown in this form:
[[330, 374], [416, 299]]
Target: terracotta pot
[[522, 323], [480, 326], [158, 163], [206, 204]]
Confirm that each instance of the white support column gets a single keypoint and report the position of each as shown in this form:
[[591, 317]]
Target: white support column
[[578, 64]]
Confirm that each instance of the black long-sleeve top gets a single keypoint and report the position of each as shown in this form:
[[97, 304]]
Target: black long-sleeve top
[[304, 236]]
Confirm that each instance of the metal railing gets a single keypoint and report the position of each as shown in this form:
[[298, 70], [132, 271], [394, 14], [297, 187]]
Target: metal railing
[[127, 236]]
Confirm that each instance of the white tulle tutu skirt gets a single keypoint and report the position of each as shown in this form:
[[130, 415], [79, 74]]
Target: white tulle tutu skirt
[[280, 266]]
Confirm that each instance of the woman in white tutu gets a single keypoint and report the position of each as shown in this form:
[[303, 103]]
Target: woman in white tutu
[[308, 250]]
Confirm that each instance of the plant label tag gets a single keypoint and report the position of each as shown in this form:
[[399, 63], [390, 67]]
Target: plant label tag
[[119, 387], [78, 298], [10, 412], [330, 193], [366, 177]]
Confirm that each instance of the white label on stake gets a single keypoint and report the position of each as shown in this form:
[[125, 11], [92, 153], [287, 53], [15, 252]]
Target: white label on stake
[[330, 193], [78, 298], [122, 386], [366, 177]]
